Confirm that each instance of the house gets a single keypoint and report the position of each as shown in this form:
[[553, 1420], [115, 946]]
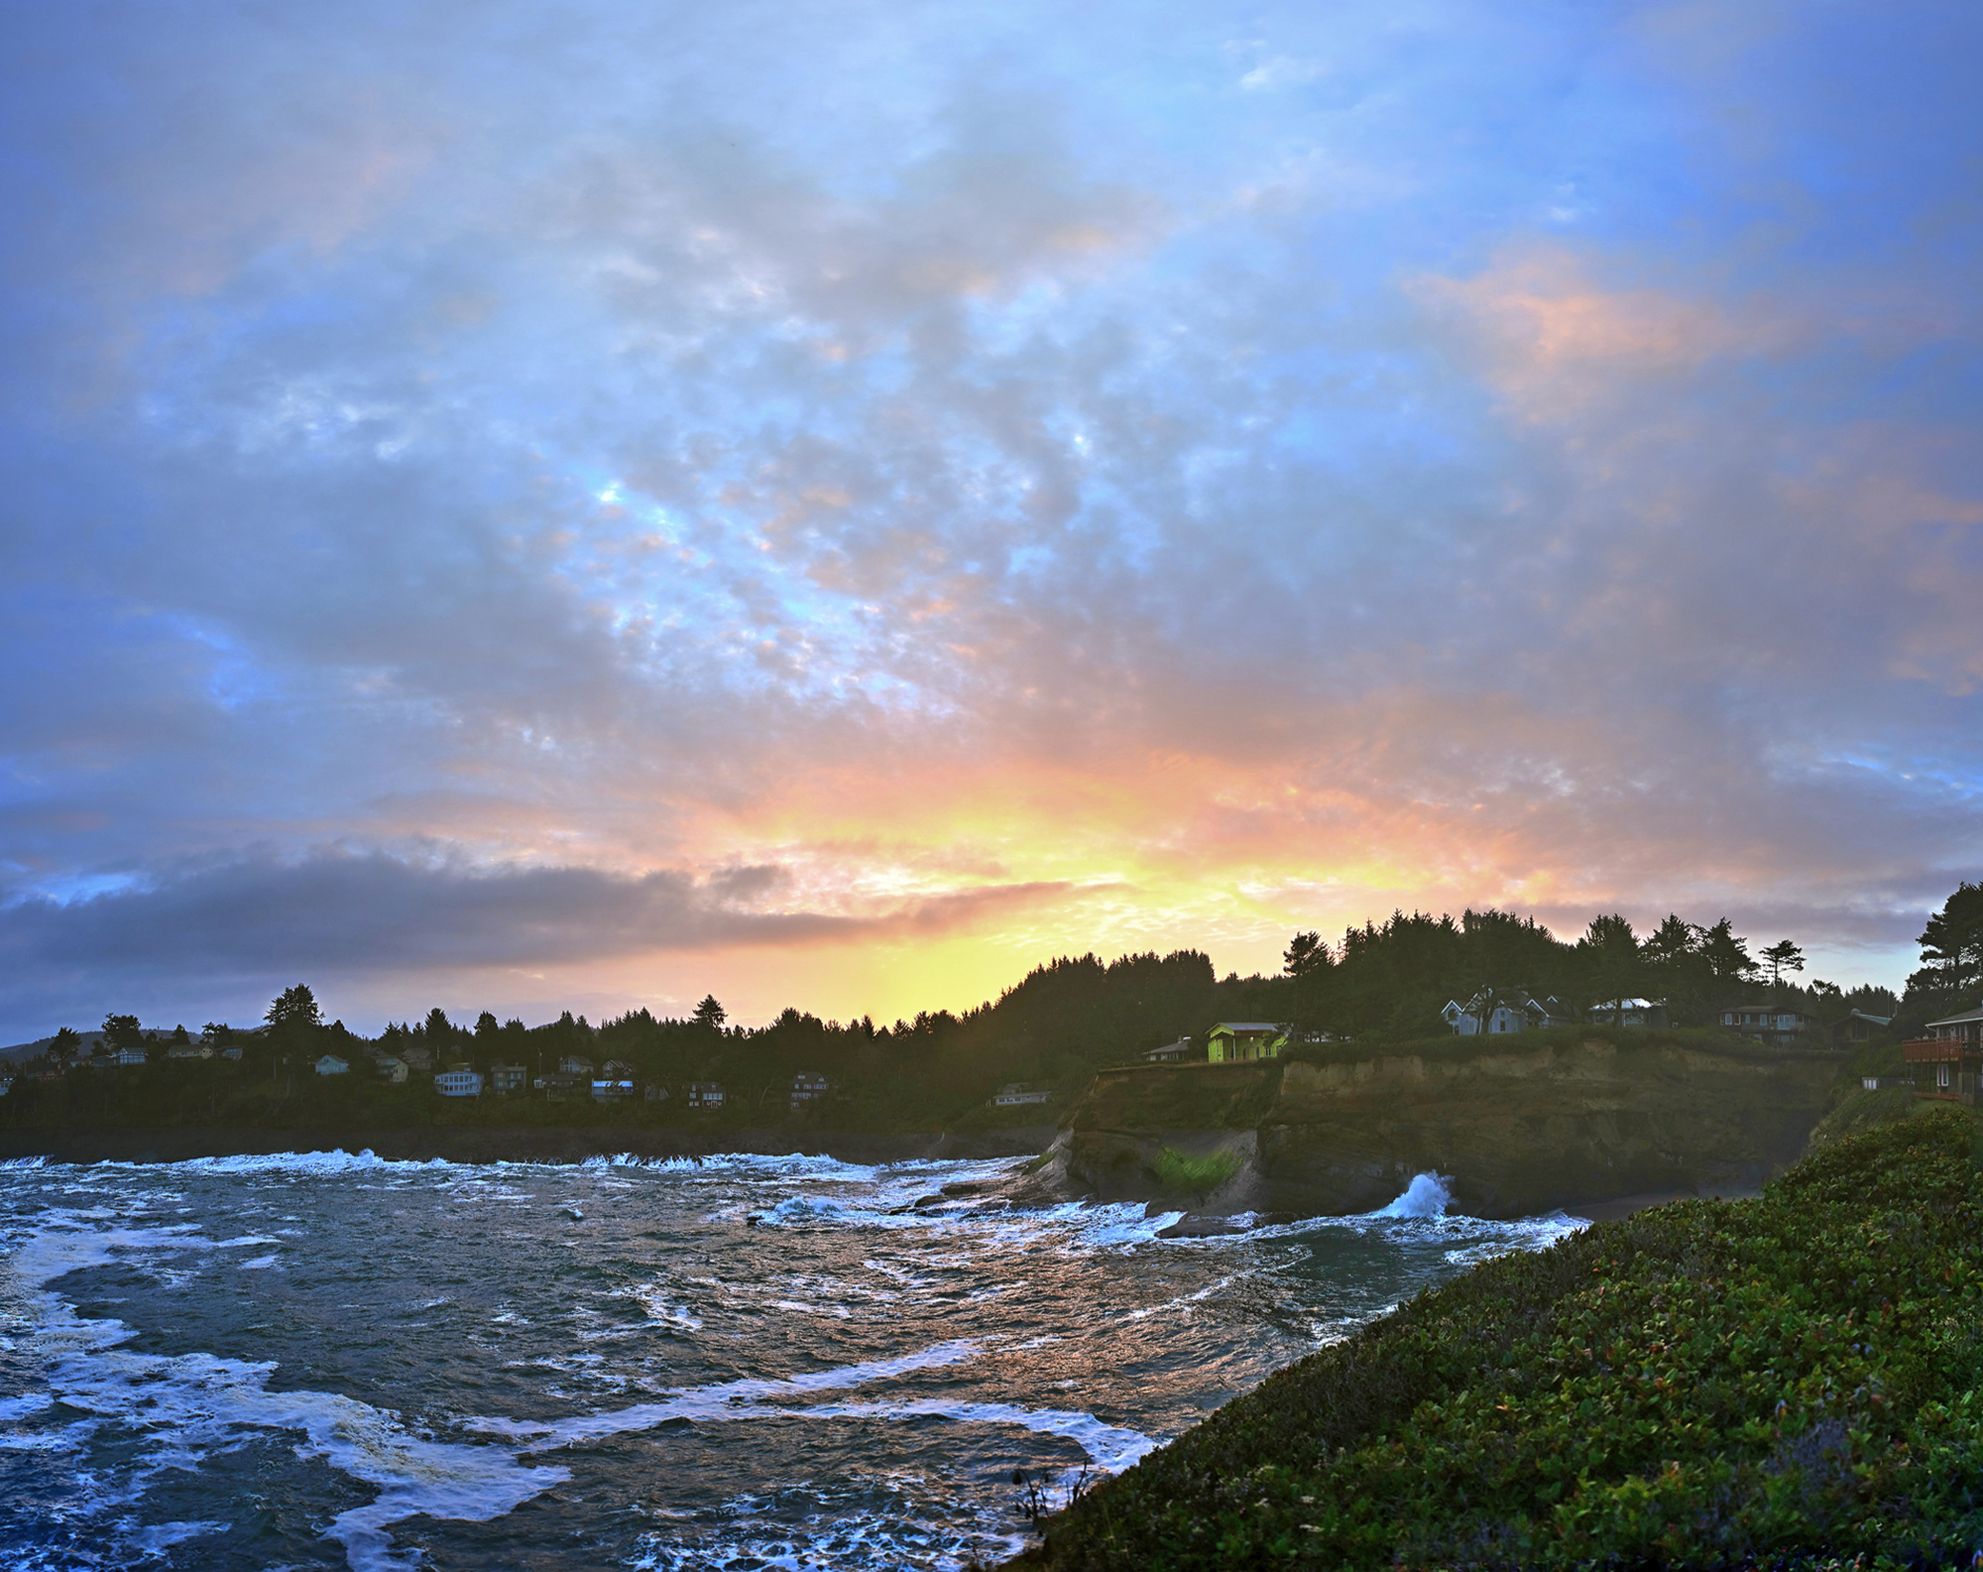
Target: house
[[654, 1092], [1170, 1053], [1495, 1011], [1775, 1024], [1861, 1027], [1639, 1013], [231, 1053], [607, 1091], [130, 1056], [574, 1064], [1236, 1042], [1952, 1054], [459, 1082], [555, 1083], [705, 1094], [418, 1057], [330, 1064], [1017, 1094], [616, 1070], [808, 1088], [507, 1078], [391, 1068], [189, 1051], [6, 1084]]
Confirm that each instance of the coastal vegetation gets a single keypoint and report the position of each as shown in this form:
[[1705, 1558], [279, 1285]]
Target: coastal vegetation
[[1195, 1176], [1786, 1381]]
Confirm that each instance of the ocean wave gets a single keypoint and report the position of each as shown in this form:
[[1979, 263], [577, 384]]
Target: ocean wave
[[1071, 1225], [906, 1524], [723, 1400], [1420, 1214], [193, 1406]]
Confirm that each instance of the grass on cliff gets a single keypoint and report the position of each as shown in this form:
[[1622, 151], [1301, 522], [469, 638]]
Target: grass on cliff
[[1786, 1382], [1182, 1175], [1449, 1048]]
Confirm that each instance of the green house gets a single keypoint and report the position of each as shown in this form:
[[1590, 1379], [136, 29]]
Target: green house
[[1235, 1042]]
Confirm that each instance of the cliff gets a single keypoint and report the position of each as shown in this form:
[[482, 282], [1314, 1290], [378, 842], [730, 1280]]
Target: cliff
[[1519, 1125], [1785, 1382]]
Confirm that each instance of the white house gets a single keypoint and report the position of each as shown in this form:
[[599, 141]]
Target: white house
[[459, 1083], [330, 1064], [1629, 1012], [392, 1068], [574, 1064], [1017, 1094], [130, 1056], [1170, 1053], [189, 1051]]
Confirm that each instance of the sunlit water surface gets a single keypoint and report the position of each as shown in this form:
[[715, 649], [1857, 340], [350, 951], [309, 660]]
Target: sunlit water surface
[[746, 1362]]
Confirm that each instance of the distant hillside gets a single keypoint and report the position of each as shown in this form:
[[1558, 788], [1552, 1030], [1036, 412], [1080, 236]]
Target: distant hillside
[[35, 1049]]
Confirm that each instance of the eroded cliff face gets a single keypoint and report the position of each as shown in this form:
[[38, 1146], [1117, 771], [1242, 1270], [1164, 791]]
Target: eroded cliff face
[[1519, 1131]]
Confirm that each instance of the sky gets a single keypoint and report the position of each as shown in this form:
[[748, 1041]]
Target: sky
[[541, 506]]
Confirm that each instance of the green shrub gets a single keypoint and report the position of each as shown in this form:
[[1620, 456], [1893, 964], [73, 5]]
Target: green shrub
[[1183, 1175], [1786, 1382]]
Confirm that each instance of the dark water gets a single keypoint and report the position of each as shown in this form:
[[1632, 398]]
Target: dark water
[[329, 1361]]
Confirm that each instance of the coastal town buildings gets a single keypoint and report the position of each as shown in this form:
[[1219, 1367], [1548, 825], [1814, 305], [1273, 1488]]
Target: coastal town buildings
[[331, 1064], [1638, 1013], [1947, 1058], [1778, 1025], [808, 1087], [1239, 1042], [459, 1082], [1496, 1011], [507, 1078], [1171, 1053], [705, 1094], [1017, 1094]]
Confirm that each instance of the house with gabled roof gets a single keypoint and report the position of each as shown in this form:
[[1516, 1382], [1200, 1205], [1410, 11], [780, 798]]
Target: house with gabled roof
[[1240, 1042], [1494, 1012]]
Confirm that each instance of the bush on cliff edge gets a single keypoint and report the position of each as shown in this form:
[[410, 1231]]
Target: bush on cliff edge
[[1780, 1382]]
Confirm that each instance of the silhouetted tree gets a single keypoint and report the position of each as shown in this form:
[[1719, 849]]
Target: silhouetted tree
[[1781, 957], [709, 1013], [293, 1011], [1727, 956], [122, 1031], [66, 1044]]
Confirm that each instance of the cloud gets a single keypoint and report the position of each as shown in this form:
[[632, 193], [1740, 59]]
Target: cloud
[[876, 461]]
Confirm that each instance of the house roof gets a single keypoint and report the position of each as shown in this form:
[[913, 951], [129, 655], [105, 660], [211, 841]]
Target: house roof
[[1876, 1020], [1246, 1026], [1957, 1020]]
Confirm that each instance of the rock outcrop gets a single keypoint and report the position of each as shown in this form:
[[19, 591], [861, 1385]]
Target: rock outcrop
[[1518, 1126]]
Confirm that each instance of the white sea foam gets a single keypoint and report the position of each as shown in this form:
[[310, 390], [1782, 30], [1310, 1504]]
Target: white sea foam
[[1070, 1226], [191, 1406], [743, 1398], [1110, 1448]]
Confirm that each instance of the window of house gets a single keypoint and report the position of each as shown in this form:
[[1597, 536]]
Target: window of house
[[1942, 1076]]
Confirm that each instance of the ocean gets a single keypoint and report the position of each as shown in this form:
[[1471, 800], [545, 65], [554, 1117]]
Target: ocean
[[330, 1360]]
